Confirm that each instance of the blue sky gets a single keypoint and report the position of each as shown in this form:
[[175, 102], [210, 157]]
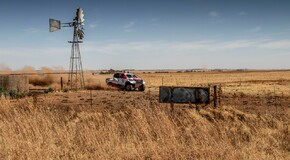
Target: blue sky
[[149, 34]]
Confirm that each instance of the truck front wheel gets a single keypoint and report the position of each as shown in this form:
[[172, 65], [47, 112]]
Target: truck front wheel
[[142, 88]]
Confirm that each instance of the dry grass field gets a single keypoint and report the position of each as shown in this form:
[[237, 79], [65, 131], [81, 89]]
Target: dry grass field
[[251, 121]]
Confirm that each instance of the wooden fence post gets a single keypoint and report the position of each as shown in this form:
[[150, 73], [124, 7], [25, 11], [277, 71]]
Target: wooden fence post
[[61, 84], [91, 98], [215, 96]]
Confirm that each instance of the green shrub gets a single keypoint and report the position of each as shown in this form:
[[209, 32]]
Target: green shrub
[[49, 90]]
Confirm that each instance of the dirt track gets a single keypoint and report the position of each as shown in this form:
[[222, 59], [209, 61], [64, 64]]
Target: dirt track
[[114, 100]]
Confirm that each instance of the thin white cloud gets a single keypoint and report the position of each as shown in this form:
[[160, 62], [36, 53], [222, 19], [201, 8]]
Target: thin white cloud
[[154, 22], [282, 44], [230, 45], [93, 26], [32, 30], [129, 26], [118, 47], [106, 54], [164, 54], [214, 14], [161, 47], [242, 13], [184, 46], [255, 29]]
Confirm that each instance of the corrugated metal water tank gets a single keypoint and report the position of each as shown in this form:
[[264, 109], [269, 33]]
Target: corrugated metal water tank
[[19, 83]]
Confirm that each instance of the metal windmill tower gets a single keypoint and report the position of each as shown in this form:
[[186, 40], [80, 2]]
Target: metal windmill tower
[[75, 76]]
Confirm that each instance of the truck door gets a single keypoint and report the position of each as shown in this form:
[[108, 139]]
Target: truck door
[[121, 79], [116, 78]]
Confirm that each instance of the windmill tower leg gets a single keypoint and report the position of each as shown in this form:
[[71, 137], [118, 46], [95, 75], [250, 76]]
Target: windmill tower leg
[[76, 76]]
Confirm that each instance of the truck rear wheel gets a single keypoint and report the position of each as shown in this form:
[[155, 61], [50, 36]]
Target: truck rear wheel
[[128, 87]]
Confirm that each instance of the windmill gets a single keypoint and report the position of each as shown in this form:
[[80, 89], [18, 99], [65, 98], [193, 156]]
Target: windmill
[[75, 76]]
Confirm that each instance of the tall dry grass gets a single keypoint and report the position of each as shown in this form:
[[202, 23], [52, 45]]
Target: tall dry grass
[[255, 82], [137, 128], [140, 130]]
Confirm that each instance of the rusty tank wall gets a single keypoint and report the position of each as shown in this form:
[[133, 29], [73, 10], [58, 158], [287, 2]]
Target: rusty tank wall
[[19, 83]]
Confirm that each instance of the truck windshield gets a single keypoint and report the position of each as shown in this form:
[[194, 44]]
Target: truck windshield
[[131, 76]]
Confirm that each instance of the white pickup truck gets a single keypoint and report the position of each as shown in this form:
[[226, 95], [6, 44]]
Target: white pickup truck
[[127, 81]]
